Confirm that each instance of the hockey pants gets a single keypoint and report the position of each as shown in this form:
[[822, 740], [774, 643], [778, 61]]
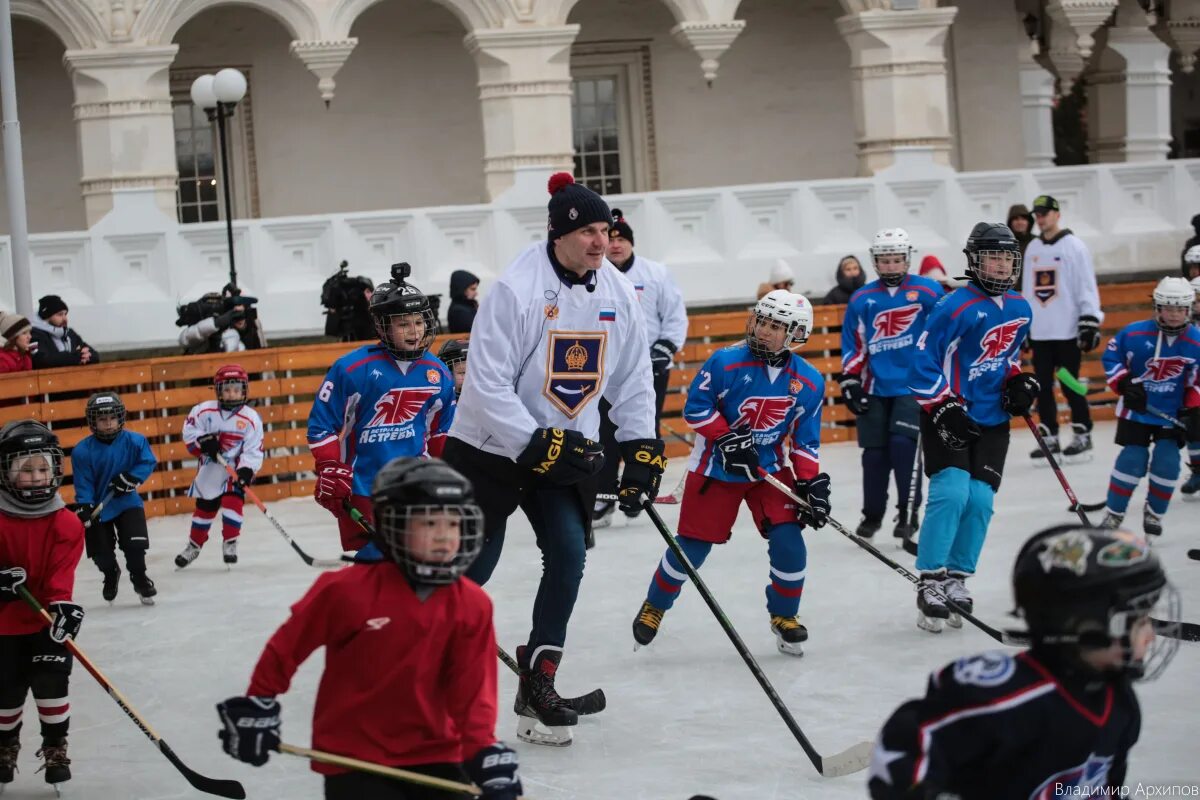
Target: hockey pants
[[1130, 468], [34, 662], [957, 514]]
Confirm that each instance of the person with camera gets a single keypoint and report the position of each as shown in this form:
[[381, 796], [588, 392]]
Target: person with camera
[[347, 302], [225, 322]]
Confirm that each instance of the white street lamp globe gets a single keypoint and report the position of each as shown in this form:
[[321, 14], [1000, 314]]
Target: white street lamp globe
[[202, 92], [229, 85]]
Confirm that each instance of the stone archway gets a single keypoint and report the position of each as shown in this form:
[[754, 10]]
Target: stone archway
[[160, 21], [75, 24], [472, 14]]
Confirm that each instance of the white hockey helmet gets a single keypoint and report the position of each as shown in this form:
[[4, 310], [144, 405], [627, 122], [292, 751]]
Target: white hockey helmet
[[1173, 293], [1192, 256], [891, 242], [787, 308]]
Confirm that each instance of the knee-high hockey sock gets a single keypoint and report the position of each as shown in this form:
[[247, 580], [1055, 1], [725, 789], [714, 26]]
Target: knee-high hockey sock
[[789, 558], [875, 466], [949, 491], [1129, 468], [55, 716], [10, 720], [1164, 471], [902, 451], [202, 520], [670, 576], [231, 516], [972, 530]]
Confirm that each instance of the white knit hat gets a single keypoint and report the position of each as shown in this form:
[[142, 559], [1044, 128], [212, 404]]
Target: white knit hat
[[781, 272], [12, 325]]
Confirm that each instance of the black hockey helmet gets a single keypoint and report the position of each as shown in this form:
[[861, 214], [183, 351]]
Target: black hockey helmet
[[453, 351], [994, 240], [104, 405], [1086, 588], [31, 463], [408, 492], [399, 298]]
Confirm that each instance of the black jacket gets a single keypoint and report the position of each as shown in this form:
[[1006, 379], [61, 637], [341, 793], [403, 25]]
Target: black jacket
[[461, 314], [1190, 242], [840, 294], [47, 354]]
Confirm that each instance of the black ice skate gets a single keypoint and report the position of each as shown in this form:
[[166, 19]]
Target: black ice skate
[[1190, 491], [1151, 523], [869, 525], [645, 625], [144, 587], [789, 634], [1112, 520], [931, 607], [955, 588], [229, 551], [905, 528], [8, 761], [56, 764], [112, 580], [544, 717], [189, 554], [1051, 440], [1079, 451]]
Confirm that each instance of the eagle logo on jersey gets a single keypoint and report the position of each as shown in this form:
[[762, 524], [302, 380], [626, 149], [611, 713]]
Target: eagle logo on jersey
[[1165, 369], [400, 405], [762, 413], [893, 322], [574, 369], [999, 340], [1089, 779]]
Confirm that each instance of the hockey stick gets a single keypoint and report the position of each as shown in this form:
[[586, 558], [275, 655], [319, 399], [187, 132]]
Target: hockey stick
[[95, 515], [846, 762], [323, 563], [1075, 385], [675, 496], [1062, 479], [217, 786], [379, 769], [907, 543], [1004, 637]]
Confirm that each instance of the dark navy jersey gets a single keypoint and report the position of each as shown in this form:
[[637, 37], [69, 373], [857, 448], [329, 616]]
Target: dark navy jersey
[[1001, 727]]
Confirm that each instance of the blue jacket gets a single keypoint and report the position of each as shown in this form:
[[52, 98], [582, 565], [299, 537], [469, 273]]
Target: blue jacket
[[881, 329], [95, 464], [1172, 381]]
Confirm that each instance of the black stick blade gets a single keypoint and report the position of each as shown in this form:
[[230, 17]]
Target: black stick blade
[[201, 783]]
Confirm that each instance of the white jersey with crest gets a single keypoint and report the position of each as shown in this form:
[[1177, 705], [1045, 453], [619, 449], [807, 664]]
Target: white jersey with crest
[[241, 433], [1059, 281], [544, 351]]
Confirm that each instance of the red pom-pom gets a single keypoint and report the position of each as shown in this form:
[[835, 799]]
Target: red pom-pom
[[559, 181]]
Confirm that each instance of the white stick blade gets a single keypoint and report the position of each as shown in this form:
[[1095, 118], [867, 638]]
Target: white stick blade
[[847, 762]]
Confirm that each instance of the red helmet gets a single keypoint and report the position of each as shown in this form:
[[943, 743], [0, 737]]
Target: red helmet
[[232, 373]]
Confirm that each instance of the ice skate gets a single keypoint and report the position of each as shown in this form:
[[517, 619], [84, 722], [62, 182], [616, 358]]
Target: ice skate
[[544, 717], [905, 529], [868, 527], [112, 580], [1112, 520], [229, 551], [645, 625], [1190, 491], [8, 761], [189, 554], [789, 635], [931, 607], [602, 514], [55, 762], [955, 588], [1079, 451], [1051, 440], [144, 587], [1151, 523]]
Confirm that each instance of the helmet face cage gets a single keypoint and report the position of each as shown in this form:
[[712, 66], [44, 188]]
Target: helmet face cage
[[1161, 604], [891, 279], [231, 405], [22, 473], [797, 334], [1173, 293], [391, 301], [393, 523], [993, 285], [105, 406]]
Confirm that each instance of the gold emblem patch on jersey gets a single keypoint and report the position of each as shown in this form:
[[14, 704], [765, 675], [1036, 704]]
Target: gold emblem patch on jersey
[[574, 369], [551, 311], [794, 387], [433, 376]]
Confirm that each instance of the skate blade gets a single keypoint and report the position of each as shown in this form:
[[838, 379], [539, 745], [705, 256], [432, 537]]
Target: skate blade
[[147, 601], [1194, 497], [789, 648], [955, 621], [931, 624], [1082, 458], [531, 730]]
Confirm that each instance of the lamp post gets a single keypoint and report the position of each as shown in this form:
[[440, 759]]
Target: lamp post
[[217, 95]]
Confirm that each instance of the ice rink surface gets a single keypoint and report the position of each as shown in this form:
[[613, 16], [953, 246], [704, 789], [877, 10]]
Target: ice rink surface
[[684, 716]]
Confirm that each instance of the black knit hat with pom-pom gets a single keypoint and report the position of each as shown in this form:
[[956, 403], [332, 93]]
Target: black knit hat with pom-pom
[[572, 206], [620, 227]]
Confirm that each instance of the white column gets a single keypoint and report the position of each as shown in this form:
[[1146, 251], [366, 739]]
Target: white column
[[1147, 95], [901, 100], [525, 95], [125, 126], [1037, 110]]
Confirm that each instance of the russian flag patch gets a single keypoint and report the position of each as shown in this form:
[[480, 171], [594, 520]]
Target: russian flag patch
[[608, 315]]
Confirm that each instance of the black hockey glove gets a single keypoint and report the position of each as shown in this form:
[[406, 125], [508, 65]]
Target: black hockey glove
[[1020, 393], [245, 476], [955, 427], [856, 397], [10, 579], [644, 465], [84, 511], [68, 618], [210, 444], [1133, 393], [562, 456], [124, 483], [494, 770], [662, 353], [251, 728], [815, 492], [738, 454], [1087, 335]]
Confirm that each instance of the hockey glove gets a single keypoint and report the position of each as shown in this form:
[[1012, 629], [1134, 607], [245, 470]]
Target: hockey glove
[[124, 483], [68, 618], [738, 455], [815, 492], [1020, 392], [563, 457], [644, 465], [10, 579], [1087, 335], [662, 353], [1133, 393], [251, 728], [209, 444], [856, 397], [84, 512], [245, 476], [494, 770], [333, 484], [952, 423]]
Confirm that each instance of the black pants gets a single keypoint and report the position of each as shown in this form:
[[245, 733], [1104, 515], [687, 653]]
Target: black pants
[[983, 460], [609, 476], [1048, 356], [34, 662], [127, 529], [365, 786]]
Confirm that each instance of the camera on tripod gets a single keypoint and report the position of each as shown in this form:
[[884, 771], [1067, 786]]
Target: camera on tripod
[[347, 305]]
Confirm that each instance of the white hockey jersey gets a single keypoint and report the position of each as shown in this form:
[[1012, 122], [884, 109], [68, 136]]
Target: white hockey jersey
[[1059, 282], [543, 352], [662, 302], [241, 435]]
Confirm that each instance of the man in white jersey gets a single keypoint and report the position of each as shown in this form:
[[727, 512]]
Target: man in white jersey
[[1059, 282], [557, 331]]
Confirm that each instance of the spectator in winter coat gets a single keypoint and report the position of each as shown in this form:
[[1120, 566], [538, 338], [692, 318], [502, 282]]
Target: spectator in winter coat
[[18, 339], [464, 288], [850, 278], [235, 329], [781, 278], [56, 344], [1190, 270], [1020, 222], [932, 268]]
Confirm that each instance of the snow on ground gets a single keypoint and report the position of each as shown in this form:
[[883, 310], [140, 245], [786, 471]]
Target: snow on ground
[[685, 716]]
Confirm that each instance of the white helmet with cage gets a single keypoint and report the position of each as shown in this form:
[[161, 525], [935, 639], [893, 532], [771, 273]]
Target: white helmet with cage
[[1173, 293], [891, 242], [1192, 256], [790, 310]]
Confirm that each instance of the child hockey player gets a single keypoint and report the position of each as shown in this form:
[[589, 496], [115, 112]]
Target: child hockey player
[[1191, 487], [378, 403], [967, 378], [1058, 719], [454, 355], [1153, 365], [883, 321], [108, 466], [430, 705], [40, 545], [228, 428], [744, 403]]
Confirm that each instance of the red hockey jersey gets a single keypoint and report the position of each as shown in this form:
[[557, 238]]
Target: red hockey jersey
[[49, 549], [406, 681]]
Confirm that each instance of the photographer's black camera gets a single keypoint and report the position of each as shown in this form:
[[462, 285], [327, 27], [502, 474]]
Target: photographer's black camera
[[347, 314]]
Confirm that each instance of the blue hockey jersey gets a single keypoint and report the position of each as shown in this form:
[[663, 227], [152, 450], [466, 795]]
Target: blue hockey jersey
[[881, 327], [736, 390], [94, 464], [970, 347], [372, 408], [1171, 381]]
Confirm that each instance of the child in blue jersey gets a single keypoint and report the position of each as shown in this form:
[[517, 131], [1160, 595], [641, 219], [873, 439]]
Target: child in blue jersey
[[108, 466], [967, 378], [1154, 366], [379, 402], [883, 321], [1191, 487], [747, 403]]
